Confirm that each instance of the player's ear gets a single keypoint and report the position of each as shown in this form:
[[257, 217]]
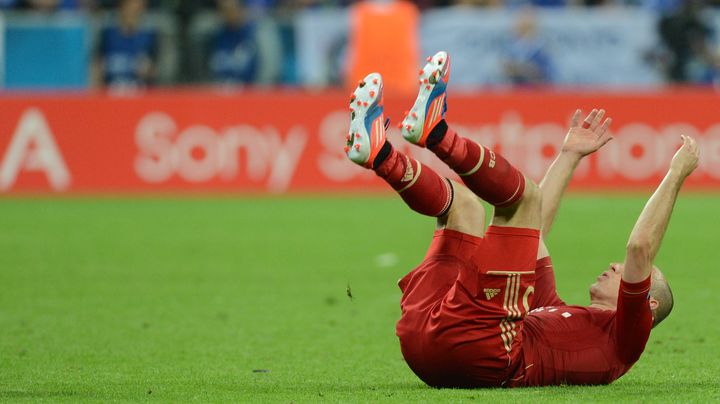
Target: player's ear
[[653, 303]]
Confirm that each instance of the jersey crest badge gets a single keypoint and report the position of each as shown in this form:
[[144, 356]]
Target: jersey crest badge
[[490, 293]]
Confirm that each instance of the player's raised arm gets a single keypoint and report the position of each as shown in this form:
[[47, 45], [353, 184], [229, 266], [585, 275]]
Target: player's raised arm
[[581, 140], [650, 227]]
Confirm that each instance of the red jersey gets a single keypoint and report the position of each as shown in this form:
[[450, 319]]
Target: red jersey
[[583, 345], [481, 312]]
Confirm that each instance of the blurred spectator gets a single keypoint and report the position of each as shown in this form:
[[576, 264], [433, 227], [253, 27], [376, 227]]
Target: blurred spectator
[[394, 24], [548, 3], [49, 5], [514, 4], [43, 5], [149, 4], [662, 6], [478, 3], [5, 4], [596, 3], [318, 3], [127, 53], [527, 62], [687, 38], [260, 7], [234, 54]]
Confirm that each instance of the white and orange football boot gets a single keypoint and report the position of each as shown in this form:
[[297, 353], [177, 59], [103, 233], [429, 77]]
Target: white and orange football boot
[[431, 104], [367, 121]]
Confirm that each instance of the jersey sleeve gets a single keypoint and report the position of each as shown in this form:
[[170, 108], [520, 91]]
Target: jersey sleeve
[[633, 320], [545, 292]]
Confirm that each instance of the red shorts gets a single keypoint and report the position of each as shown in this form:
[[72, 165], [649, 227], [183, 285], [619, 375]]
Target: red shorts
[[462, 307]]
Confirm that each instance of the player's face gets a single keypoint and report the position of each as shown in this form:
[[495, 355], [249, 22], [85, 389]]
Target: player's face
[[606, 287]]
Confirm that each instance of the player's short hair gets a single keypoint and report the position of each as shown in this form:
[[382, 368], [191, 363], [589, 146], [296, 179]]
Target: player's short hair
[[660, 291]]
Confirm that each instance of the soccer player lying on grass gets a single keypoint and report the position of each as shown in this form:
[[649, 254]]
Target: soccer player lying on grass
[[481, 310]]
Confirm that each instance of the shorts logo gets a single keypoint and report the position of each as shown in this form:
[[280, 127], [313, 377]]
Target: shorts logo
[[490, 293]]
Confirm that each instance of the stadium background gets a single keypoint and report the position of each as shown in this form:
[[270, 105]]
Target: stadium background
[[179, 221]]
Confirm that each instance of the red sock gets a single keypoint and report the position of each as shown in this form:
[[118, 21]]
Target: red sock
[[422, 189], [485, 172]]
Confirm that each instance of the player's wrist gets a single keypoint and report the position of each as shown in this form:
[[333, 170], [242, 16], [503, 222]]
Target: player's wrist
[[677, 174], [570, 154]]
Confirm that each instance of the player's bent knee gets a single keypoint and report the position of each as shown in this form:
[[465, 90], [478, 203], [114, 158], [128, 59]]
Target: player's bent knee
[[526, 212], [466, 214], [532, 194], [531, 197]]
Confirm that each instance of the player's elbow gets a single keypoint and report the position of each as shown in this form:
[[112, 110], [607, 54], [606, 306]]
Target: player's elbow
[[639, 247]]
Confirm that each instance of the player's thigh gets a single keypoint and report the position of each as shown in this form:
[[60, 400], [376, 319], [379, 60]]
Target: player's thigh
[[466, 214], [526, 213]]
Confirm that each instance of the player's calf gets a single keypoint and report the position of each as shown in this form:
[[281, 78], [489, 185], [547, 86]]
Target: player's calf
[[485, 172]]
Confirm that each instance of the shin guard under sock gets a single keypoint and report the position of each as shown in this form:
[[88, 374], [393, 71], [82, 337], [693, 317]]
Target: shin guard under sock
[[422, 189], [485, 172]]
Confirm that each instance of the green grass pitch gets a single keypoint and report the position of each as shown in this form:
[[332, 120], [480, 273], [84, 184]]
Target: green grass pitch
[[245, 300]]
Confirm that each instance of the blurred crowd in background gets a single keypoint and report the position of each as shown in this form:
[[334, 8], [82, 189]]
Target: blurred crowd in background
[[145, 43]]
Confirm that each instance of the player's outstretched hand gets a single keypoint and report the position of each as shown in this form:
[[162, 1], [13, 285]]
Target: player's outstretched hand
[[686, 158], [587, 136]]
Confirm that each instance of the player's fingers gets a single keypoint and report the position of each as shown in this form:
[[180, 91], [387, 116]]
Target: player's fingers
[[596, 121], [687, 146], [693, 145], [602, 140], [588, 119], [604, 135], [604, 128], [693, 152], [575, 119]]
